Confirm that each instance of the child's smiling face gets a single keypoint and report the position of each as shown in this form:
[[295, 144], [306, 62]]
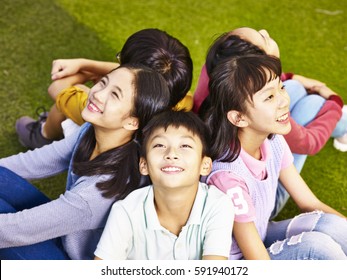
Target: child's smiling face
[[111, 100], [268, 112], [174, 158]]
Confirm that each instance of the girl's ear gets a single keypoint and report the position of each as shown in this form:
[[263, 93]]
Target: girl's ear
[[206, 166], [131, 123], [143, 166], [237, 119]]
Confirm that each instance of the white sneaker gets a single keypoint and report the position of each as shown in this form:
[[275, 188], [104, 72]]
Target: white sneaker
[[341, 143], [344, 109]]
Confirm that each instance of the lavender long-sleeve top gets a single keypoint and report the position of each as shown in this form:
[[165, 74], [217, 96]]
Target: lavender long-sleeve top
[[78, 216]]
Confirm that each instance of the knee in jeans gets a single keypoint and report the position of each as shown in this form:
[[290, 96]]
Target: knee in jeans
[[3, 169], [295, 88], [322, 246], [294, 84], [6, 175], [310, 246], [5, 172], [278, 246], [303, 223]]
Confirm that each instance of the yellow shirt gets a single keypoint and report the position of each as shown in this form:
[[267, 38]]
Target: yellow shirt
[[72, 100]]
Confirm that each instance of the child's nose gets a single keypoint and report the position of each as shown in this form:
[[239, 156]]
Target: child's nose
[[284, 99], [100, 95], [171, 154]]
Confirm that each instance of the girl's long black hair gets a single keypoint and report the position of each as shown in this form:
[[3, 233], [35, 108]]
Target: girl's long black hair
[[232, 83], [227, 45], [151, 96]]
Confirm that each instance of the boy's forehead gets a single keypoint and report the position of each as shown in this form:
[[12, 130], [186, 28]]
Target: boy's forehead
[[180, 129], [173, 132]]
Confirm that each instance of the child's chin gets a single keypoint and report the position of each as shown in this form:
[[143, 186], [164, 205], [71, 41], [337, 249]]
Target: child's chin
[[86, 115], [285, 130]]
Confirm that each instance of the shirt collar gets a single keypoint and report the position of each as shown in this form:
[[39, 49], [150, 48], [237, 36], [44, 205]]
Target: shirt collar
[[151, 216], [257, 167], [198, 206], [152, 221]]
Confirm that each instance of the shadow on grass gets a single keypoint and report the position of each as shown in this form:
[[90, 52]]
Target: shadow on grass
[[32, 35]]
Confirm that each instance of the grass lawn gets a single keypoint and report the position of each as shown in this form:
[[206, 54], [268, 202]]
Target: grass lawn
[[311, 35]]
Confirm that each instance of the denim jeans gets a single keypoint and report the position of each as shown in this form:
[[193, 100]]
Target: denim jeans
[[303, 109], [309, 236], [17, 194]]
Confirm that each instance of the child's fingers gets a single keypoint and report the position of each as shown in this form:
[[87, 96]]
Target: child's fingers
[[56, 76], [57, 71], [61, 73]]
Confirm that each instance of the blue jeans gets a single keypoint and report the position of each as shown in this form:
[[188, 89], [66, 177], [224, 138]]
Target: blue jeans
[[308, 236], [17, 194], [303, 109]]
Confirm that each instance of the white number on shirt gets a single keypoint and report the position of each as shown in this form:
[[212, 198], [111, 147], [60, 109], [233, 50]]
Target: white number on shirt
[[241, 206]]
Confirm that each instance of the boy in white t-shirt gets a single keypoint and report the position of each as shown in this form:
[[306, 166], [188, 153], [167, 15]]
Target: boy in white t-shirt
[[177, 217]]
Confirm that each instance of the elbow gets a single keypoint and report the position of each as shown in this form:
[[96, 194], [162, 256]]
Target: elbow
[[53, 90]]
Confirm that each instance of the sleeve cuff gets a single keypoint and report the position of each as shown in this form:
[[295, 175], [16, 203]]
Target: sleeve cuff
[[286, 76], [336, 99]]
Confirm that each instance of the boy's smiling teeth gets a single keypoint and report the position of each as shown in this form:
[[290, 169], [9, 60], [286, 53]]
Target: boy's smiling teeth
[[171, 169], [283, 118]]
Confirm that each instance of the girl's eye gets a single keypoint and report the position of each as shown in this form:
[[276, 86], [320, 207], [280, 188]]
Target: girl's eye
[[269, 97], [115, 94], [102, 82]]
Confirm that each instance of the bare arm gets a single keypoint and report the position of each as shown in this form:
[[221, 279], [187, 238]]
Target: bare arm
[[302, 194], [248, 240], [76, 79], [214, 258], [308, 83], [324, 91], [315, 86], [67, 67]]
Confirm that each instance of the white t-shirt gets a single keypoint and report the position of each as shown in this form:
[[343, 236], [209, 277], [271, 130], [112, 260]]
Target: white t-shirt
[[133, 230]]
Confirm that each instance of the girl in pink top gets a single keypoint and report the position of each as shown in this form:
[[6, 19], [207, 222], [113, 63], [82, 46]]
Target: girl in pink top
[[248, 113]]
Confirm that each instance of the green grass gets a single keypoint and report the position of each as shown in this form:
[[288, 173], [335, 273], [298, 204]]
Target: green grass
[[312, 43]]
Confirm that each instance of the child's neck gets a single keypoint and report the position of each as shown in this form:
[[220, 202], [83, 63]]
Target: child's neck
[[107, 140], [251, 144], [173, 207]]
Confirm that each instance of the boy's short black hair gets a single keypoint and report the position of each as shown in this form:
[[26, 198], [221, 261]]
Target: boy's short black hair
[[189, 120]]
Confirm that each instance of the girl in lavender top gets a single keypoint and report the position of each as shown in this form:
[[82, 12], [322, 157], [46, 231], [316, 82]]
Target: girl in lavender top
[[248, 114], [102, 163]]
